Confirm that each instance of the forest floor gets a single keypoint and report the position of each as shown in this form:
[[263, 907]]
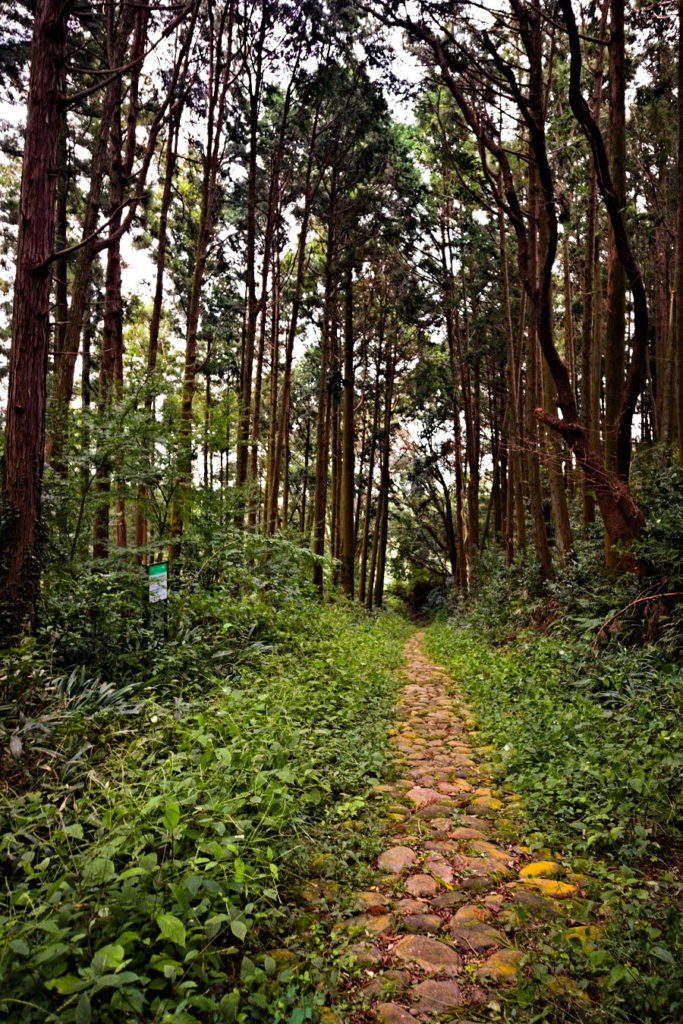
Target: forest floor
[[328, 832], [456, 902]]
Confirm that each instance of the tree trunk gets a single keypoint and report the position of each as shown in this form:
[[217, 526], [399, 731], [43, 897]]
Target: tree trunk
[[304, 486], [664, 367], [590, 341], [61, 266], [514, 515], [220, 64], [374, 431], [615, 328], [122, 156], [558, 494], [111, 360], [141, 533], [252, 303], [679, 242], [535, 482], [272, 216], [538, 245], [281, 440], [322, 440], [184, 445], [622, 517], [347, 533], [25, 424], [67, 353], [335, 388], [273, 396], [635, 375], [462, 580], [382, 520], [470, 402]]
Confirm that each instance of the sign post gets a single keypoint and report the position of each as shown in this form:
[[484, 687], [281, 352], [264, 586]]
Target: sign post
[[157, 574]]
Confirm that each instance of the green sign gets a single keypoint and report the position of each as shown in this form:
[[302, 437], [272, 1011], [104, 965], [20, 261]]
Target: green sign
[[157, 574]]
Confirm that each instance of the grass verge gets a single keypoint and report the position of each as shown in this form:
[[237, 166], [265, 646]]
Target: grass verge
[[592, 741]]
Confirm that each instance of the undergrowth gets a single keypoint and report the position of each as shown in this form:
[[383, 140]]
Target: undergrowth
[[148, 858], [587, 727]]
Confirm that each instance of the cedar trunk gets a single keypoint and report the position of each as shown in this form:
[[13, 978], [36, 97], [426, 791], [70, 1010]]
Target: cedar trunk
[[679, 241], [615, 328], [25, 428], [322, 438], [346, 530]]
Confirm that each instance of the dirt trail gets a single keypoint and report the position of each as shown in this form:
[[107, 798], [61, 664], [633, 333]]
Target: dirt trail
[[455, 901]]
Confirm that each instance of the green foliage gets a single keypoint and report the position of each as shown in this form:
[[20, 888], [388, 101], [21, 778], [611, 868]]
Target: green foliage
[[658, 477], [149, 885], [591, 736], [577, 682]]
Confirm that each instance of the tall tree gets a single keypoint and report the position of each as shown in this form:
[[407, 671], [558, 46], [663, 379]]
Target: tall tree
[[622, 518], [25, 430], [121, 158], [615, 326], [679, 241], [220, 29]]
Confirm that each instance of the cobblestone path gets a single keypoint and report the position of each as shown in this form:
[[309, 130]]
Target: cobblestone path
[[446, 924]]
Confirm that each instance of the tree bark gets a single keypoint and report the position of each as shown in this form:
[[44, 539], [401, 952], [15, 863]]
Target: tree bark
[[252, 301], [61, 285], [539, 239], [382, 520], [462, 579], [142, 532], [564, 541], [590, 340], [122, 156], [374, 430], [334, 384], [665, 332], [514, 516], [322, 439], [272, 216], [615, 327], [220, 75], [635, 375], [282, 435], [67, 353], [347, 533], [679, 242], [25, 425]]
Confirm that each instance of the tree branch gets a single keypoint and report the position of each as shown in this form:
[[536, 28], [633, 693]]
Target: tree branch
[[70, 249], [113, 74]]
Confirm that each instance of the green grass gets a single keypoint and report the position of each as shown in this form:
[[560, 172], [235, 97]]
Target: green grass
[[592, 739], [152, 887]]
